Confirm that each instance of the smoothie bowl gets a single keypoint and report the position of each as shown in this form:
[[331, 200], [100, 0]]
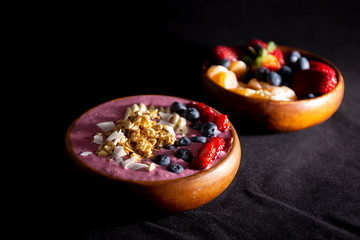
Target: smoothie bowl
[[282, 88], [174, 153]]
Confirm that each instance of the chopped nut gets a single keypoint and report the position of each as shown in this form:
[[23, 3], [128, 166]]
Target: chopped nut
[[151, 167]]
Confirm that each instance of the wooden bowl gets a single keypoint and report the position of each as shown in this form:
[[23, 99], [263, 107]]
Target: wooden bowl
[[179, 194], [281, 116]]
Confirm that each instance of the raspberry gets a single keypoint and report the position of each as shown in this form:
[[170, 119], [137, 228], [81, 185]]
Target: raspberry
[[222, 122]]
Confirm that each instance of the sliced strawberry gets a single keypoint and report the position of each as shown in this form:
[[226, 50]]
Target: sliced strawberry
[[191, 105], [279, 55], [312, 81], [221, 52], [207, 115], [218, 143], [222, 122], [210, 151], [200, 106], [206, 153], [322, 67]]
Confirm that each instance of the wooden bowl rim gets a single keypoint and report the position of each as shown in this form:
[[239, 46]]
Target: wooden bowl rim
[[147, 183], [312, 56]]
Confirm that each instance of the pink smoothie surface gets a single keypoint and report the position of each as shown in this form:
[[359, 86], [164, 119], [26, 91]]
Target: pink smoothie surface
[[85, 128]]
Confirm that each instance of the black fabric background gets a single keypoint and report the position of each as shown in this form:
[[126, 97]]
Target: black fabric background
[[298, 185]]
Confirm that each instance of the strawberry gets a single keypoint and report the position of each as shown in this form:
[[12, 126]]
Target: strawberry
[[268, 55], [221, 52], [255, 41], [207, 115], [313, 81], [219, 144], [222, 122], [279, 55], [210, 151], [269, 61], [322, 67]]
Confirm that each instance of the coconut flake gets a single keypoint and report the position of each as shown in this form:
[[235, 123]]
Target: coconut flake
[[162, 122], [166, 116], [127, 162], [98, 139], [85, 154], [170, 129], [142, 108], [115, 135], [106, 126], [118, 160], [135, 166], [135, 108], [119, 152]]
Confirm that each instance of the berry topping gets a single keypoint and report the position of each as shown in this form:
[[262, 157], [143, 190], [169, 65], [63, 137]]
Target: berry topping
[[162, 160], [224, 62], [261, 73], [210, 151], [169, 147], [321, 67], [175, 168], [303, 63], [177, 107], [261, 54], [191, 114], [184, 141], [279, 55], [255, 41], [209, 129], [222, 122], [309, 95], [274, 79], [207, 115], [294, 57], [198, 139], [221, 52], [313, 81], [286, 74], [184, 154]]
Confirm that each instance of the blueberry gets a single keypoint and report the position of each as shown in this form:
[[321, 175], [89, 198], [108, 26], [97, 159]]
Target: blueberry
[[198, 139], [184, 141], [191, 114], [177, 107], [294, 57], [169, 147], [303, 64], [285, 73], [162, 160], [184, 154], [195, 125], [224, 62], [274, 79], [175, 168], [209, 129], [261, 73], [247, 76], [309, 96]]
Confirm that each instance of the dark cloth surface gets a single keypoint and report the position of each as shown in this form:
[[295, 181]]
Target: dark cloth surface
[[297, 185]]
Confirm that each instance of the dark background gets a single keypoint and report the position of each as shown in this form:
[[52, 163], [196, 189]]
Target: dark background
[[298, 185]]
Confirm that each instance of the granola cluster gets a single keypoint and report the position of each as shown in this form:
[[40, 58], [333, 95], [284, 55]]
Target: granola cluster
[[138, 133]]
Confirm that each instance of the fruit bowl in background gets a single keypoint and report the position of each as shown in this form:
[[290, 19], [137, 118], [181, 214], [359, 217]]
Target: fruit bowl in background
[[173, 195], [280, 116]]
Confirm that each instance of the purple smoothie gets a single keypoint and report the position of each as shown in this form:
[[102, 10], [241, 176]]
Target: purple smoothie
[[85, 128]]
